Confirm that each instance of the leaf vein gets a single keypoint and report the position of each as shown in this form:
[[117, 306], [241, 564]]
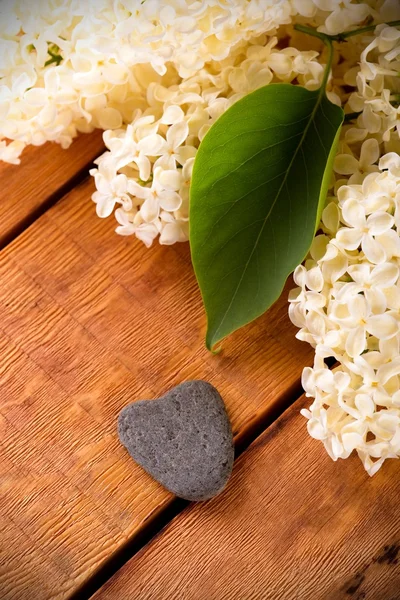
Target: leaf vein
[[234, 203], [229, 173], [312, 116]]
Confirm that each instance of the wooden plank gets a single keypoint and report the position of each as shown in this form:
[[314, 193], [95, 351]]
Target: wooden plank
[[26, 189], [292, 524], [90, 322]]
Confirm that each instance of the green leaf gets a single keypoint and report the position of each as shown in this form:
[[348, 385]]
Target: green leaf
[[259, 184]]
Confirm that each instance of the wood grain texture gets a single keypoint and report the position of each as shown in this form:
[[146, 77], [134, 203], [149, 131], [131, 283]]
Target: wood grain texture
[[91, 321], [28, 187], [292, 524]]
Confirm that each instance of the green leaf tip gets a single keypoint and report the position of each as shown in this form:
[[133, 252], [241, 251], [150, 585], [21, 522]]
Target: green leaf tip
[[211, 346], [259, 184]]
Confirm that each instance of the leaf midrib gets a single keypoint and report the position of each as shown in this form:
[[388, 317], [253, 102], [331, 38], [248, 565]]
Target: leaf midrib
[[319, 99]]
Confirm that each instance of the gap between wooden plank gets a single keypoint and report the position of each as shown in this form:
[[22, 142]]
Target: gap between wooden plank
[[47, 204], [71, 288], [159, 520], [291, 524], [45, 175]]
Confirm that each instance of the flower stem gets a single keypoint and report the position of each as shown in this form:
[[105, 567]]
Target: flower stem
[[55, 58], [341, 37], [327, 39], [312, 31]]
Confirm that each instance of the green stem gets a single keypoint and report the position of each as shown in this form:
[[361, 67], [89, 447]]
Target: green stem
[[312, 31], [55, 58], [327, 39], [328, 65], [341, 37]]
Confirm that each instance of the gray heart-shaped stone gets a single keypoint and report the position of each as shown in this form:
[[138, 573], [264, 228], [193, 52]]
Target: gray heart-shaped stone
[[183, 439]]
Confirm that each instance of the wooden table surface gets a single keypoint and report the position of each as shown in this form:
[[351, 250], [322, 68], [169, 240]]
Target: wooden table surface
[[91, 321]]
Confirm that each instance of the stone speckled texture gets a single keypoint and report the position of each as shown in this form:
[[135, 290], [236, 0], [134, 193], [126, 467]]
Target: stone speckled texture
[[183, 439]]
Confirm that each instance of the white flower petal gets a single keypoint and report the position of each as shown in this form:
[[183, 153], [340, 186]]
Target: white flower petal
[[385, 275], [345, 164], [188, 169], [330, 217], [315, 324], [138, 190], [171, 234], [389, 370], [369, 152], [391, 160], [349, 239], [354, 214], [150, 209], [390, 242], [351, 441], [333, 269], [376, 300], [316, 430], [299, 276], [314, 279], [104, 204], [177, 134], [382, 326], [169, 200], [36, 96], [172, 114], [185, 153], [372, 249], [379, 222], [365, 405], [358, 307], [360, 273], [146, 233], [152, 145], [144, 167], [170, 179], [356, 342]]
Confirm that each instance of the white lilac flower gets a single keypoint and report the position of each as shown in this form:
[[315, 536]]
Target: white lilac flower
[[156, 78], [377, 85], [348, 164], [355, 318], [68, 66], [347, 305], [105, 55], [156, 151], [110, 190], [160, 195], [364, 231], [343, 14]]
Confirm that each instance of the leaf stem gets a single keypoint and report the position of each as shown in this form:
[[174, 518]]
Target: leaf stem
[[328, 65]]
